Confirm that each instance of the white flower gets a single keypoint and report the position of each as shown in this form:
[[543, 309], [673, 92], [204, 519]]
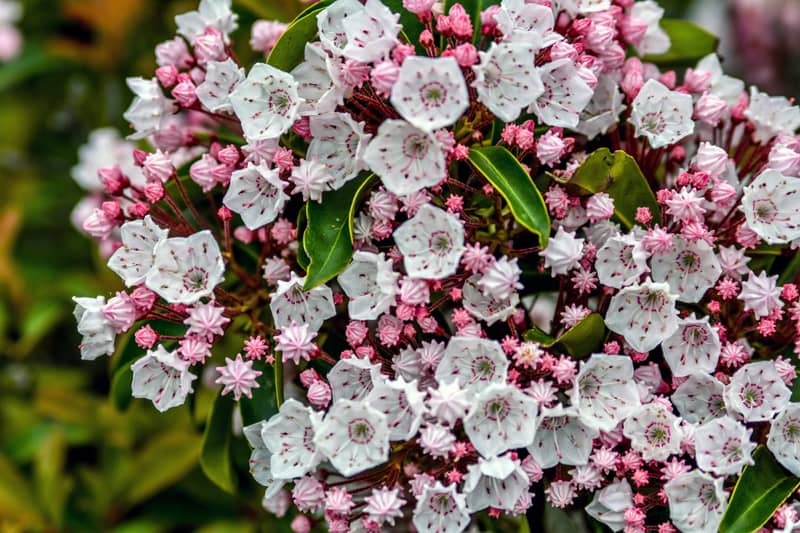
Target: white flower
[[371, 284], [353, 437], [364, 33], [644, 314], [134, 259], [603, 111], [563, 252], [771, 115], [501, 280], [621, 261], [605, 392], [105, 148], [694, 347], [186, 268], [760, 294], [96, 329], [215, 14], [723, 446], [402, 404], [148, 109], [318, 81], [288, 436], [440, 510], [266, 102], [566, 94], [431, 242], [561, 438], [162, 377], [696, 501], [353, 378], [310, 179], [473, 362], [497, 482], [260, 457], [430, 92], [338, 142], [757, 392], [484, 306], [291, 303], [654, 432], [725, 87], [502, 418], [784, 438], [700, 398], [690, 269], [661, 115], [530, 23], [609, 505], [655, 40], [406, 158], [771, 205], [449, 402], [507, 80], [582, 7], [222, 77]]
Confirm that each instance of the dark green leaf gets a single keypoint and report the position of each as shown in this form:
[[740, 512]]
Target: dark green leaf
[[791, 271], [689, 43], [761, 489], [583, 339], [33, 61], [506, 174], [328, 239], [215, 457], [263, 403], [289, 51], [619, 176]]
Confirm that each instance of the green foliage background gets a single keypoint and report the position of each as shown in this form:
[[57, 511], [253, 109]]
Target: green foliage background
[[70, 460]]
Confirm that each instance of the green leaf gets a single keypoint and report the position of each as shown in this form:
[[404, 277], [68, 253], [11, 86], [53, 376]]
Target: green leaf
[[289, 51], [689, 43], [33, 61], [215, 457], [263, 404], [506, 174], [52, 485], [760, 490], [302, 256], [167, 458], [581, 340], [328, 239], [791, 271], [17, 498], [619, 176]]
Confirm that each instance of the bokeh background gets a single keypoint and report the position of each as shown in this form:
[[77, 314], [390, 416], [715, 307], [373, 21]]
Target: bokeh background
[[69, 460]]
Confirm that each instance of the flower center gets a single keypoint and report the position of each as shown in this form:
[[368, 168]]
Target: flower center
[[195, 279], [752, 396], [765, 210], [415, 147], [360, 431], [433, 94], [497, 409]]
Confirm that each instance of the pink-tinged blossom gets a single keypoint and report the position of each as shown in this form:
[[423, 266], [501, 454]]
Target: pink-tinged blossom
[[296, 342], [761, 294], [206, 320], [238, 377]]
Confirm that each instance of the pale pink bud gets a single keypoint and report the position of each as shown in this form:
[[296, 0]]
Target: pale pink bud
[[174, 53], [710, 109], [158, 167], [10, 42], [465, 55], [426, 38], [632, 30], [563, 50], [414, 291], [384, 76], [697, 81], [228, 155], [488, 22], [419, 7], [121, 312], [185, 93], [154, 191], [167, 75], [401, 52], [265, 33], [144, 299], [668, 79], [145, 337], [99, 225], [460, 22], [600, 207], [319, 394], [138, 210], [243, 234], [210, 47]]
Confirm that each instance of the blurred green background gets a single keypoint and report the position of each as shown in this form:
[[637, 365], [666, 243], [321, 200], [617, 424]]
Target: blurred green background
[[70, 461]]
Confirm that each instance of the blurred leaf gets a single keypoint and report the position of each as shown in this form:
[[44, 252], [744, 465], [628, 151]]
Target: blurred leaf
[[506, 174], [760, 490], [689, 43], [619, 176], [562, 521], [282, 11], [122, 388], [227, 527], [328, 239], [215, 457], [16, 497], [33, 61], [166, 458], [52, 485], [67, 406], [289, 50], [36, 323], [791, 271], [263, 404], [581, 340]]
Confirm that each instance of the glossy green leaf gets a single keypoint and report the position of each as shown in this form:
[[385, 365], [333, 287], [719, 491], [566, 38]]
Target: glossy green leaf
[[215, 457], [689, 43], [581, 340], [167, 458], [760, 490], [506, 174], [328, 239], [619, 176], [302, 256], [263, 404], [289, 51], [791, 270]]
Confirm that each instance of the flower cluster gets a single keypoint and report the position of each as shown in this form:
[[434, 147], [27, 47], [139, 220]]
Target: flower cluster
[[628, 360]]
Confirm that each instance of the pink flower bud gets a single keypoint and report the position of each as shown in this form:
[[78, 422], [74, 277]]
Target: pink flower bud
[[210, 47], [401, 52], [174, 53], [466, 55], [158, 167], [243, 234], [121, 312], [300, 524], [111, 209], [460, 22], [319, 394], [668, 79], [185, 93], [697, 81], [229, 155], [139, 156], [264, 35], [421, 8], [113, 180], [167, 75], [384, 76], [710, 109], [144, 299], [303, 128], [138, 210], [145, 337], [426, 38], [224, 214]]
